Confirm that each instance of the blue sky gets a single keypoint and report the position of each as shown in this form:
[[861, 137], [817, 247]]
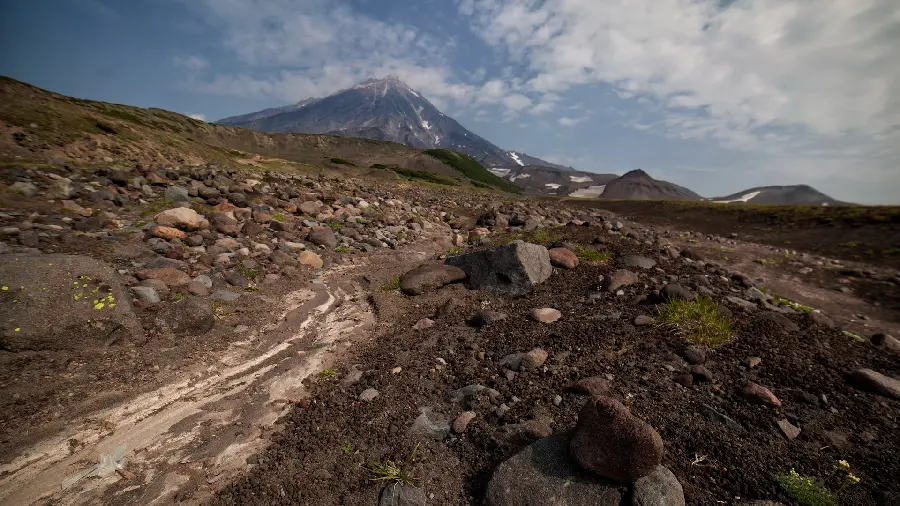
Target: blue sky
[[715, 95]]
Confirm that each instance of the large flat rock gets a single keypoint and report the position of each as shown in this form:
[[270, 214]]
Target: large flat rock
[[62, 302], [512, 269], [543, 474]]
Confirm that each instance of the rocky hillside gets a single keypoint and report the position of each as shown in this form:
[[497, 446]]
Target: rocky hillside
[[384, 109], [45, 127], [542, 180], [780, 195]]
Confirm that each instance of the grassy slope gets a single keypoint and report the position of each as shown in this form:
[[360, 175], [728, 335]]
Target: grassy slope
[[45, 127], [472, 169]]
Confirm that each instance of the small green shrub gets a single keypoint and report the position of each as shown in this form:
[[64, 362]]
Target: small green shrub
[[341, 161], [342, 249], [347, 448], [391, 285], [592, 255], [544, 236], [699, 320], [399, 472], [473, 170], [328, 373], [335, 226], [278, 217], [805, 490]]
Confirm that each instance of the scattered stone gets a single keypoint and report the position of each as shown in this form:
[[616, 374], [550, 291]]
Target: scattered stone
[[700, 373], [613, 443], [790, 431], [182, 217], [684, 379], [593, 386], [427, 278], [225, 296], [780, 320], [168, 275], [485, 318], [401, 494], [322, 236], [145, 294], [563, 258], [177, 194], [638, 261], [545, 315], [424, 323], [676, 291], [875, 382], [759, 394], [462, 421], [430, 424], [512, 269], [885, 341], [694, 354], [737, 301], [543, 475], [69, 205], [167, 233], [643, 320], [534, 359], [618, 279], [752, 362], [188, 318], [659, 488], [368, 395], [311, 259]]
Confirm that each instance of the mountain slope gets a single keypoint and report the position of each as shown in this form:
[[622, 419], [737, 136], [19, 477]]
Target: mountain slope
[[542, 180], [40, 126], [638, 185], [383, 109], [783, 195]]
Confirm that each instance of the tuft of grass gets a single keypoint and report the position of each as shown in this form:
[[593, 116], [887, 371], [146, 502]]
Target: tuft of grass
[[342, 249], [806, 490], [328, 373], [399, 472], [592, 255], [341, 161], [278, 217], [155, 208], [853, 336], [699, 320], [347, 448], [391, 285], [335, 226], [778, 301], [544, 236]]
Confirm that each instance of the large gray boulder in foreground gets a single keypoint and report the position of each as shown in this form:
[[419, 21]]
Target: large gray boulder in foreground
[[62, 302], [543, 474], [512, 269]]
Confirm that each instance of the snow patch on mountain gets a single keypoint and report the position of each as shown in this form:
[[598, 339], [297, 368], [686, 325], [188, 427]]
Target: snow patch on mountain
[[580, 179], [742, 198], [552, 185], [497, 171], [590, 192], [519, 176], [426, 125], [515, 158]]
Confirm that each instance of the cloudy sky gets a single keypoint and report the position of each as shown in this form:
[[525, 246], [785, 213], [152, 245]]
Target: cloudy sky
[[716, 95]]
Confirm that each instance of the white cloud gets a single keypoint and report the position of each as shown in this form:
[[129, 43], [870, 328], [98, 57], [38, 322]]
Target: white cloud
[[198, 116], [570, 122], [783, 76]]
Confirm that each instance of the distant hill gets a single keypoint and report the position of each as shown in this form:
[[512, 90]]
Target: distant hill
[[783, 195], [638, 185], [384, 109]]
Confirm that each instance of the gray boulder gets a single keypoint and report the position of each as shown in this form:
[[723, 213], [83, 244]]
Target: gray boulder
[[543, 474], [322, 236], [659, 488], [428, 278], [188, 317], [638, 261], [875, 382], [399, 494], [512, 269], [62, 302]]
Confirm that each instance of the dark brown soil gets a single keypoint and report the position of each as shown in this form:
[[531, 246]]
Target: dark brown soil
[[865, 234], [307, 462]]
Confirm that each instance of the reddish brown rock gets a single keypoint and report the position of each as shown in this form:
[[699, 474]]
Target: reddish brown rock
[[593, 386], [611, 442], [168, 275], [167, 233], [563, 258], [760, 394]]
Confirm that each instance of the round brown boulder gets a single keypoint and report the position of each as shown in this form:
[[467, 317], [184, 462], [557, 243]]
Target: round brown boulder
[[611, 442], [563, 258]]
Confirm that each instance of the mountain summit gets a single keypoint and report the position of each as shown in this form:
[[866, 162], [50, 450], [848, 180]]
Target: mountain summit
[[384, 109]]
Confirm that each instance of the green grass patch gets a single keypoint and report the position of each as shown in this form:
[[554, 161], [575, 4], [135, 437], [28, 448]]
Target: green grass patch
[[122, 115], [155, 207], [778, 301], [545, 236], [421, 175], [328, 373], [699, 320], [391, 285], [341, 161], [592, 255], [399, 472], [805, 490], [853, 336], [278, 217], [342, 249], [473, 170]]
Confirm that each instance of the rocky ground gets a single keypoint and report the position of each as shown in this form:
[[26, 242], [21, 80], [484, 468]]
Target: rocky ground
[[270, 338]]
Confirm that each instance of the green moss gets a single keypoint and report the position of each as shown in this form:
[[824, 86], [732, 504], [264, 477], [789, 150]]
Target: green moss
[[278, 217], [328, 373], [805, 490], [391, 285], [699, 320], [342, 249], [341, 161], [592, 255], [422, 176], [545, 236]]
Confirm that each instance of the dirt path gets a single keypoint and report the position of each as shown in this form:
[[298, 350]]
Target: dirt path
[[186, 439]]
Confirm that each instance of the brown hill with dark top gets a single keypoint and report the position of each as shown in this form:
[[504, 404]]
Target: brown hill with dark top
[[638, 185]]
